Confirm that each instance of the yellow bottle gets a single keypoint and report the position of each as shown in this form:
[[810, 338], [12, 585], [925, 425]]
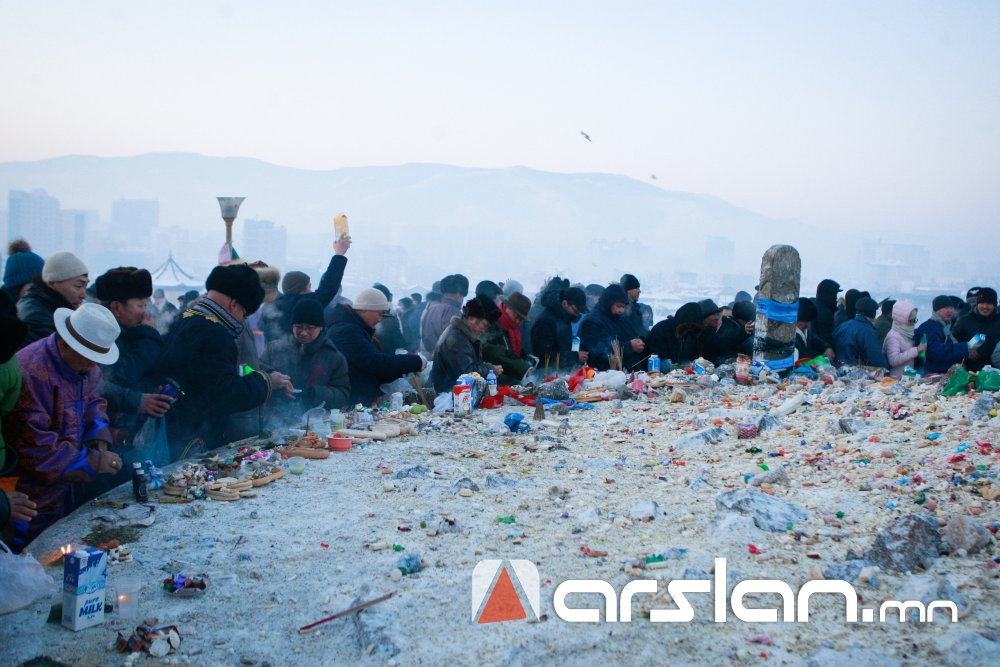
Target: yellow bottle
[[340, 228]]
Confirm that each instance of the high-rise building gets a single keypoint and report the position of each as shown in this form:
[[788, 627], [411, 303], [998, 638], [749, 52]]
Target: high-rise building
[[35, 216], [264, 240], [136, 218], [77, 226]]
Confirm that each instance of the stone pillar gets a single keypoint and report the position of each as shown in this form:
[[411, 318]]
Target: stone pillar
[[777, 308]]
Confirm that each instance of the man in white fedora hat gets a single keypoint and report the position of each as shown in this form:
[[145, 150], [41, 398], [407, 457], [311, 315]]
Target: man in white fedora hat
[[59, 426]]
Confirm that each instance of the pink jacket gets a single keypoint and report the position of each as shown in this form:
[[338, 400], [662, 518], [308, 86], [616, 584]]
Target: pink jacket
[[899, 351]]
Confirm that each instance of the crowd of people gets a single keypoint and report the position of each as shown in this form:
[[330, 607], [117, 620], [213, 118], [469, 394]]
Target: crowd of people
[[96, 375]]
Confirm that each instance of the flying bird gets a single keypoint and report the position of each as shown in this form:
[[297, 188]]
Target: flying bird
[[653, 176], [585, 135]]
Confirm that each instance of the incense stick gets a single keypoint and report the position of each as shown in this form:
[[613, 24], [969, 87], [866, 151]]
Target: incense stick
[[358, 607]]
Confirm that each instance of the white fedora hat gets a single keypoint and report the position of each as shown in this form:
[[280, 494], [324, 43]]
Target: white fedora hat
[[90, 330]]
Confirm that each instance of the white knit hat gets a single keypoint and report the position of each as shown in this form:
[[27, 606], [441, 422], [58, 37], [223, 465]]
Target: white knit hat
[[62, 266], [91, 330], [371, 299]]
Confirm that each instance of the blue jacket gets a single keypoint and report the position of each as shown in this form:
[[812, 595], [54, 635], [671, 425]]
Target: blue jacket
[[856, 342], [942, 353], [367, 365]]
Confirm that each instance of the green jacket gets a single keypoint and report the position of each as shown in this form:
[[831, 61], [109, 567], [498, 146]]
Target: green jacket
[[10, 389], [497, 350]]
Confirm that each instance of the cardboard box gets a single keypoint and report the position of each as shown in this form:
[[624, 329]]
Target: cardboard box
[[85, 576]]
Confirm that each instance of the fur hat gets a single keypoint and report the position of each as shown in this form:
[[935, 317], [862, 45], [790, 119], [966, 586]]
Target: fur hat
[[941, 301], [629, 282], [22, 265], [308, 311], [124, 283], [240, 282], [455, 284], [371, 299], [517, 302], [294, 282], [269, 277], [481, 307], [62, 266]]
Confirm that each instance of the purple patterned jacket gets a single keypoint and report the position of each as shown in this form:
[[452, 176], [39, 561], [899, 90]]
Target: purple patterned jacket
[[58, 410]]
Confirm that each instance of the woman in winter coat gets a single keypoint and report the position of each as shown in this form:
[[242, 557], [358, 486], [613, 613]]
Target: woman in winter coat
[[459, 350], [899, 347]]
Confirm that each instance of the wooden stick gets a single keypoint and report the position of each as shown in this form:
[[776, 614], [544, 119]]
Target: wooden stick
[[417, 383], [546, 365], [557, 363], [359, 607]]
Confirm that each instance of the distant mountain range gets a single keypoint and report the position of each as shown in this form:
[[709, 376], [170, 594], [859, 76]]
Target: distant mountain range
[[484, 222]]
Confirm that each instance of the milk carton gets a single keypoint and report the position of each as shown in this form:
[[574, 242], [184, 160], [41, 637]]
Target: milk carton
[[85, 574]]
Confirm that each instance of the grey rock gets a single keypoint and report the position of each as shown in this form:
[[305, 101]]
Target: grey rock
[[964, 533], [700, 438], [557, 389], [768, 423], [559, 409], [499, 481], [908, 543], [967, 648], [847, 571], [849, 426], [643, 509], [982, 407], [587, 519], [926, 588], [776, 476], [768, 512], [464, 483], [416, 471]]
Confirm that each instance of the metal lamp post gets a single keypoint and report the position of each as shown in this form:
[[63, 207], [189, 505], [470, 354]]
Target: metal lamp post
[[230, 207]]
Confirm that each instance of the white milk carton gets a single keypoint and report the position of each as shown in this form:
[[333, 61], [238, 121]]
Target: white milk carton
[[85, 574]]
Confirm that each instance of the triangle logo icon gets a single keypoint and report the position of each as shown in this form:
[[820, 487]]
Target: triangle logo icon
[[503, 603]]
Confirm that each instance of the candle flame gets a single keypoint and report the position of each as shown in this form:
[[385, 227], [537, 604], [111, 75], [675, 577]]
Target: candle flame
[[68, 549]]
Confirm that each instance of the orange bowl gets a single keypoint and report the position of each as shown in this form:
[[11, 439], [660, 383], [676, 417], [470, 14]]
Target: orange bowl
[[339, 444]]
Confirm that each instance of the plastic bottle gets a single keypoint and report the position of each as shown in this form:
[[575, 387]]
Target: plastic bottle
[[139, 483], [923, 341], [409, 563], [491, 383], [653, 365], [336, 419], [576, 343]]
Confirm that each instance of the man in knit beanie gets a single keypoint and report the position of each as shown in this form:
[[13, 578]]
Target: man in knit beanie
[[21, 267], [62, 284]]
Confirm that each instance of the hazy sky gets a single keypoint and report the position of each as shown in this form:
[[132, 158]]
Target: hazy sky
[[855, 114]]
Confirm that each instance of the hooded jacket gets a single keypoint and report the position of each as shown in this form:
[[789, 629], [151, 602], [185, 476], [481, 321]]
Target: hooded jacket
[[458, 351], [899, 351], [368, 366], [599, 328], [821, 328], [973, 323]]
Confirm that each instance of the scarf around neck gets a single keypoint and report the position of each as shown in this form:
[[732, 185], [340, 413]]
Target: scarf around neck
[[209, 309], [513, 331], [904, 331], [947, 327]]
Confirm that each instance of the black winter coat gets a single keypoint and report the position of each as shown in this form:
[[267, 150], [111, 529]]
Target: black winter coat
[[317, 368], [128, 379], [821, 328], [37, 309], [973, 323], [729, 341], [368, 366], [201, 355], [552, 334], [599, 328]]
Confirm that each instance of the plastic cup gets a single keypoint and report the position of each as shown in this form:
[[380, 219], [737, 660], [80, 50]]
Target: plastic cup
[[127, 596], [296, 465]]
